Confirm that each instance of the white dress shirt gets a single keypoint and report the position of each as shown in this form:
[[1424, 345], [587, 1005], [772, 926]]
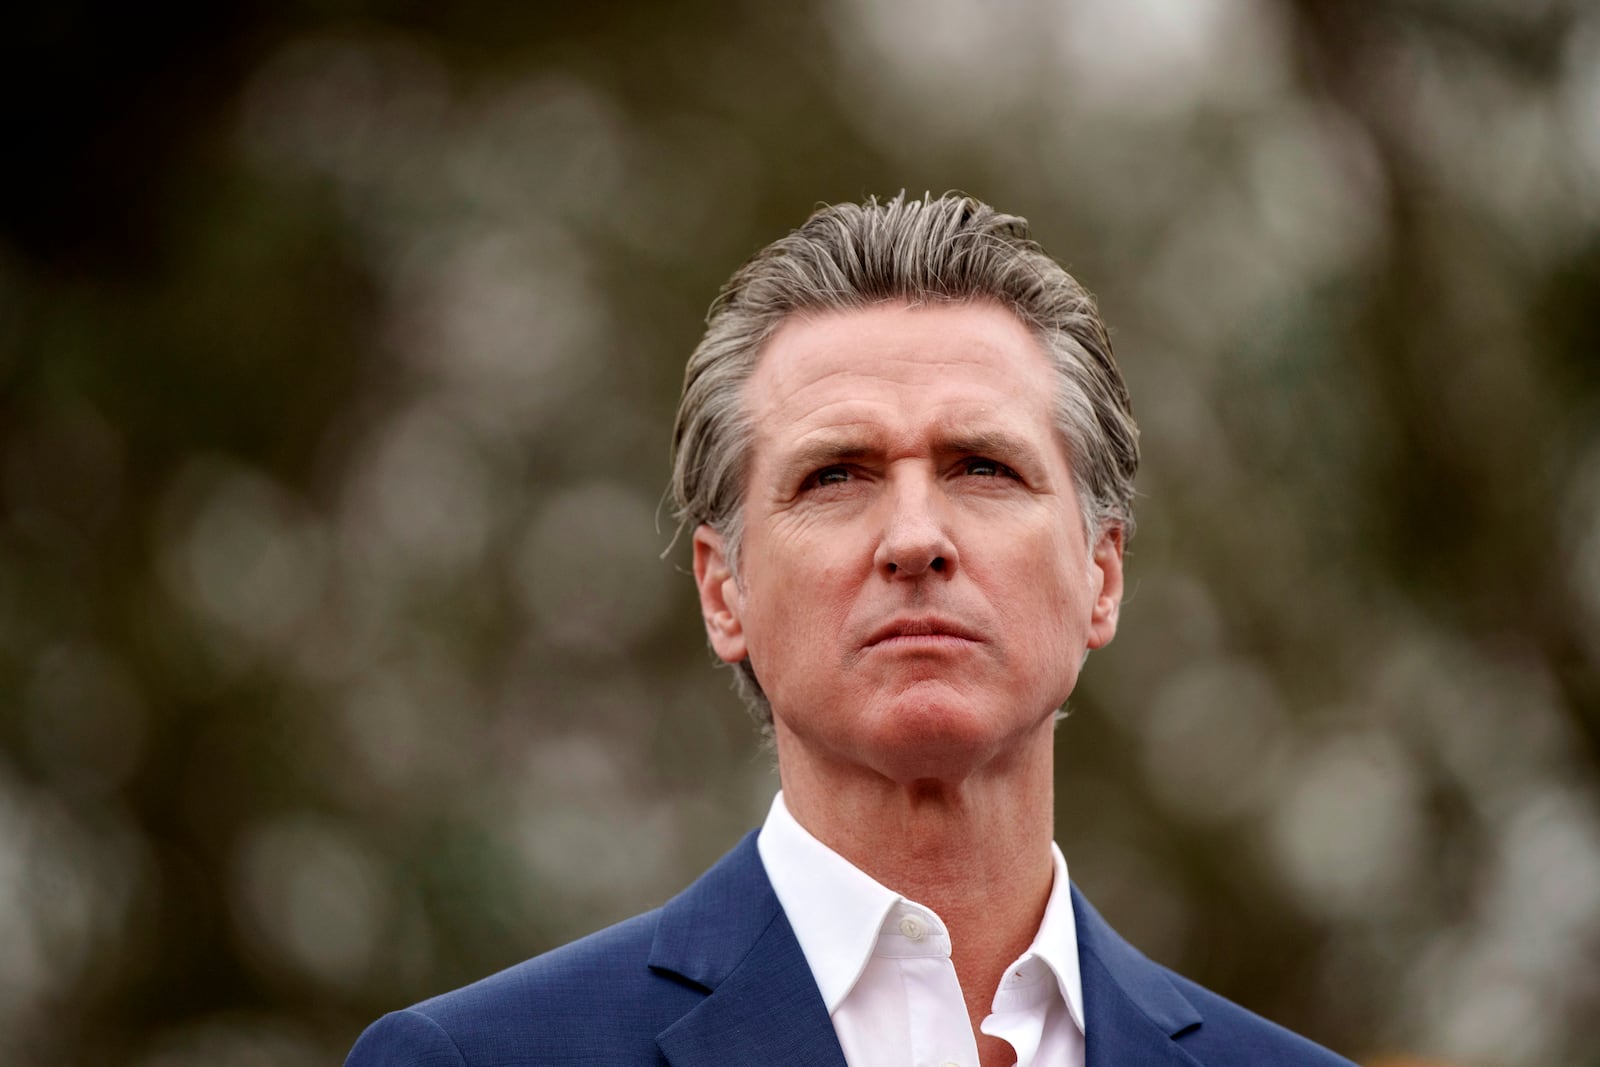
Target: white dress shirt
[[882, 964]]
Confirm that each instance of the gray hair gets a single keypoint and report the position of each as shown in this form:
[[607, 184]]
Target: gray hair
[[949, 249]]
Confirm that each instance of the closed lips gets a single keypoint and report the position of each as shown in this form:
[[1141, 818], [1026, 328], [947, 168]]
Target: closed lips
[[922, 627]]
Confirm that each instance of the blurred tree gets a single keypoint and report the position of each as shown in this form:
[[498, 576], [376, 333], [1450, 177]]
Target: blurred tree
[[338, 351]]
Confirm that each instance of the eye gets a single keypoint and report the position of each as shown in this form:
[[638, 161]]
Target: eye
[[830, 476], [988, 468]]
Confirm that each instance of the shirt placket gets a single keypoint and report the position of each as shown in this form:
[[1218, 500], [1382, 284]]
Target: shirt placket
[[940, 1033]]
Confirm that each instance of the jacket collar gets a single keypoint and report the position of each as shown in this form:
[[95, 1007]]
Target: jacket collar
[[1132, 1008], [727, 934]]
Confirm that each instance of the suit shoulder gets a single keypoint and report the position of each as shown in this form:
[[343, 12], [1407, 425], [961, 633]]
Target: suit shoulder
[[592, 1001], [1212, 1029], [1231, 1034], [404, 1037]]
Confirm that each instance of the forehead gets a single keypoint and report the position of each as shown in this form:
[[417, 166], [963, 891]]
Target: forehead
[[894, 365]]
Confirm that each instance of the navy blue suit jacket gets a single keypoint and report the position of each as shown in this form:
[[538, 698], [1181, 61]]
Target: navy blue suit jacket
[[715, 978]]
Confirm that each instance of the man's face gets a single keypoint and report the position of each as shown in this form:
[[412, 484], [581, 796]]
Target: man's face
[[915, 591]]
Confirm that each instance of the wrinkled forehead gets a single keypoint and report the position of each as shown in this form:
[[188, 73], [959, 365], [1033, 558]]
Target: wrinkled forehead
[[895, 340], [863, 377]]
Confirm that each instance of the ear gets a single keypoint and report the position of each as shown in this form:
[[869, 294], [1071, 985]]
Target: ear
[[1105, 573], [720, 598]]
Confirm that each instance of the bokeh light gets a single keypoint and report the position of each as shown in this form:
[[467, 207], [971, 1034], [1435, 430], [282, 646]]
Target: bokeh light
[[340, 662]]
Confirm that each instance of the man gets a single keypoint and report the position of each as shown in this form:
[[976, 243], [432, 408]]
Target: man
[[907, 456]]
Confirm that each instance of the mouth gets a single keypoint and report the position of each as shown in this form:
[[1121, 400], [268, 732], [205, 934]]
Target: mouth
[[922, 630]]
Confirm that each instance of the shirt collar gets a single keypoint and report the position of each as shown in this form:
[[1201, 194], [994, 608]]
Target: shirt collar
[[837, 910], [1056, 943]]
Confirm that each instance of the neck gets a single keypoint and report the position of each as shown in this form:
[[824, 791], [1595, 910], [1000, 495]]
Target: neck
[[976, 851]]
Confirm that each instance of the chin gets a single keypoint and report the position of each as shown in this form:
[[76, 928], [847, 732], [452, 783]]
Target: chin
[[922, 735]]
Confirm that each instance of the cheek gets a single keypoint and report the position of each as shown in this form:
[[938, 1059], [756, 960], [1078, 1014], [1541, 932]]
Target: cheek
[[811, 621], [796, 621], [1060, 596]]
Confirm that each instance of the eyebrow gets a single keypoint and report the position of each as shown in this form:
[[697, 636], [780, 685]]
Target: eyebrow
[[827, 452], [815, 455], [996, 443]]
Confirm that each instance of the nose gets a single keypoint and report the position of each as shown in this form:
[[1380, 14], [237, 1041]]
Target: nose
[[915, 538]]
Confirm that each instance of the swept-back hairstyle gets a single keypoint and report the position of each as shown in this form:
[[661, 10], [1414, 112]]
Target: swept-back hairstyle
[[948, 249]]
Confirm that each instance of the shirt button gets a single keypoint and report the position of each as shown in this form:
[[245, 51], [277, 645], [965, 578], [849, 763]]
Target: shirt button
[[911, 929]]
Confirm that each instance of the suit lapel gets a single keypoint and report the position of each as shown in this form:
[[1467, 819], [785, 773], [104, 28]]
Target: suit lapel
[[728, 935], [1132, 1011], [768, 1011]]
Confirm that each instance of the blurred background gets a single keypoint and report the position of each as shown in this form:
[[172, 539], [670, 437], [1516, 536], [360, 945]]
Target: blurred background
[[339, 346]]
